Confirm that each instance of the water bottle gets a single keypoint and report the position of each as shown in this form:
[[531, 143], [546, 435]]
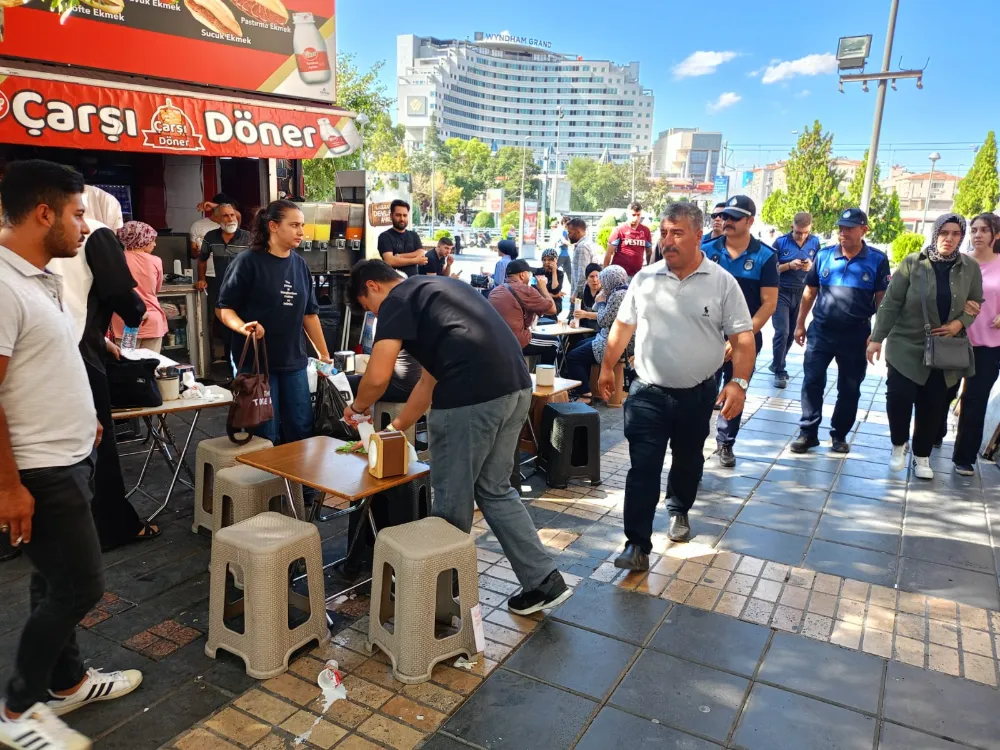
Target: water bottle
[[130, 338], [572, 309]]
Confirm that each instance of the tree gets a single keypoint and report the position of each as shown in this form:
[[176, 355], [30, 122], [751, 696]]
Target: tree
[[980, 190], [655, 196], [432, 153], [360, 92], [507, 166], [812, 180], [483, 220], [776, 211], [906, 244], [469, 166], [597, 186], [891, 224], [884, 220]]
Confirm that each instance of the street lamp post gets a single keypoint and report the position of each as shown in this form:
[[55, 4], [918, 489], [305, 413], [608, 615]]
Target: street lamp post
[[524, 157], [362, 120], [930, 181], [545, 174], [434, 157]]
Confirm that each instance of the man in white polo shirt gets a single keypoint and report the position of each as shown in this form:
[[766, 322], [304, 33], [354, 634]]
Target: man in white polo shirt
[[48, 430], [681, 310]]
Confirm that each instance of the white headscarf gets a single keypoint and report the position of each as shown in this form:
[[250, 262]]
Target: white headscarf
[[102, 206]]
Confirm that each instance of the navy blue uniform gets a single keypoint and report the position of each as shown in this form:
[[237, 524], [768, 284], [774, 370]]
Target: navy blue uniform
[[792, 282], [755, 268], [841, 325]]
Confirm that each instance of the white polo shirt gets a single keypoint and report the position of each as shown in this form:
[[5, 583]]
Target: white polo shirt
[[46, 394], [681, 326]]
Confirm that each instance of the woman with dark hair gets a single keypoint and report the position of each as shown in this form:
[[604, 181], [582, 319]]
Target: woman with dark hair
[[508, 252], [935, 286], [587, 294], [614, 284], [268, 293], [984, 334]]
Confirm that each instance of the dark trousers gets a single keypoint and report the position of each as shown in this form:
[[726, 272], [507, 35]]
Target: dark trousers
[[848, 349], [578, 363], [117, 521], [785, 316], [655, 417], [565, 264], [394, 393], [726, 430], [217, 329], [67, 582], [544, 347], [975, 398], [926, 403]]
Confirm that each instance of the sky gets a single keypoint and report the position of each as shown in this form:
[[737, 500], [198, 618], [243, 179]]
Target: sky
[[757, 76]]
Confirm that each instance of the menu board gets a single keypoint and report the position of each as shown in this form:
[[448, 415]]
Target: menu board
[[253, 45]]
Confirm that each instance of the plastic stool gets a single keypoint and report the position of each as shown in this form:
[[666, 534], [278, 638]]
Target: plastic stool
[[214, 455], [570, 443], [264, 547], [414, 626], [250, 491]]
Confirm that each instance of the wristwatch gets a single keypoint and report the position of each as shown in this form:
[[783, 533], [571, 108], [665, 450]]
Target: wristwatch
[[744, 384]]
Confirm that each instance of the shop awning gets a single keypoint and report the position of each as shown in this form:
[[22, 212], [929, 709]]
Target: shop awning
[[43, 108]]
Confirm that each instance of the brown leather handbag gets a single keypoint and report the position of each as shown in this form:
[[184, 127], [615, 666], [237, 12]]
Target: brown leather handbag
[[251, 405]]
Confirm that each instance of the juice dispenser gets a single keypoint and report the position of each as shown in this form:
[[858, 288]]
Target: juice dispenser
[[355, 226], [309, 227], [324, 215], [340, 258]]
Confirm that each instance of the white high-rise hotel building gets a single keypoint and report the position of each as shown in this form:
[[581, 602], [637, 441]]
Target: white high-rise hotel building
[[508, 91]]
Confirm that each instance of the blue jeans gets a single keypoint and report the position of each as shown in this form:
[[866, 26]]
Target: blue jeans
[[785, 316], [848, 348], [293, 412], [578, 363], [654, 417]]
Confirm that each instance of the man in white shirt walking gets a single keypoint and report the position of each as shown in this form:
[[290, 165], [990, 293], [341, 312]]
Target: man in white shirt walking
[[681, 310]]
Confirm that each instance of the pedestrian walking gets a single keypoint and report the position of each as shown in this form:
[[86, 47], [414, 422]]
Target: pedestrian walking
[[630, 243], [927, 297], [843, 289], [754, 265], [681, 310], [564, 262], [476, 385], [984, 333], [796, 252], [584, 251]]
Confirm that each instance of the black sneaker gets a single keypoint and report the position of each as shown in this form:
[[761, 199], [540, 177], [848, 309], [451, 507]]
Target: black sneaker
[[632, 558], [803, 443], [839, 446], [680, 529], [726, 457], [551, 593], [770, 367], [966, 470], [780, 381]]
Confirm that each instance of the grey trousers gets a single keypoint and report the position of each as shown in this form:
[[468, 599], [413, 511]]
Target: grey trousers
[[473, 458]]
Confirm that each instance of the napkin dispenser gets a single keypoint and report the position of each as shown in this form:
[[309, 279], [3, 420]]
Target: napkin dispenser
[[388, 454]]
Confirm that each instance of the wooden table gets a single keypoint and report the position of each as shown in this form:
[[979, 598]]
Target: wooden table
[[162, 440], [561, 330], [314, 462]]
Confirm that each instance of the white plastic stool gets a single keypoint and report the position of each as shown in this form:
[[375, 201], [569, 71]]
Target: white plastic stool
[[214, 455]]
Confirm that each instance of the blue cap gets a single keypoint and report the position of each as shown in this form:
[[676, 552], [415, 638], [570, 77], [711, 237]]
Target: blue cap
[[507, 247], [853, 217], [739, 207]]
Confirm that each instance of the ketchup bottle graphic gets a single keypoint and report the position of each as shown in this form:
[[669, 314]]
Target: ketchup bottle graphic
[[310, 50]]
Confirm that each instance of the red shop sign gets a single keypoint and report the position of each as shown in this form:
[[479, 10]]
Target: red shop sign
[[91, 115]]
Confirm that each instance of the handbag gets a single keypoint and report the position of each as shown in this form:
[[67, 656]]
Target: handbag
[[943, 352], [251, 405], [132, 383]]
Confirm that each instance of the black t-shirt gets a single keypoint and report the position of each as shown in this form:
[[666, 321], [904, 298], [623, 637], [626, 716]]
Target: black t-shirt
[[435, 264], [400, 243], [276, 292], [457, 336], [943, 273]]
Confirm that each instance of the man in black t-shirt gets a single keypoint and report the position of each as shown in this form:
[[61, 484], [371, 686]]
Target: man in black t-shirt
[[439, 259], [399, 247], [476, 385]]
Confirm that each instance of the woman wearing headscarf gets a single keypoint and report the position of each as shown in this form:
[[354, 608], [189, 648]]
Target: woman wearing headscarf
[[587, 294], [139, 239], [586, 354], [936, 283], [984, 334], [555, 278], [508, 252]]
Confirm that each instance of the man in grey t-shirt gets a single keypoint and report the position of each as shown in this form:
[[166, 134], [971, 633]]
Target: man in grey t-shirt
[[681, 310]]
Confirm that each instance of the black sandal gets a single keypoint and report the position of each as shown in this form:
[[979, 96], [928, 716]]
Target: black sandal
[[147, 532]]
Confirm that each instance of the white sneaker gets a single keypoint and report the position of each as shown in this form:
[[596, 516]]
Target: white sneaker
[[97, 686], [898, 460], [39, 729], [922, 467]]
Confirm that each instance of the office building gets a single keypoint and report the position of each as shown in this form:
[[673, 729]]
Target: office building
[[916, 191], [686, 153], [508, 91]]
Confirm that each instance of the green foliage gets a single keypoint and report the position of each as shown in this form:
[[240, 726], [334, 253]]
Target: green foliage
[[980, 190], [609, 219], [507, 166], [655, 197], [441, 233], [884, 220], [603, 235], [906, 244], [597, 186], [890, 224], [812, 180], [511, 218], [470, 167], [505, 227], [777, 212], [483, 220]]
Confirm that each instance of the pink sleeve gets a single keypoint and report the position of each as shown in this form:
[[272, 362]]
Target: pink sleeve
[[159, 273]]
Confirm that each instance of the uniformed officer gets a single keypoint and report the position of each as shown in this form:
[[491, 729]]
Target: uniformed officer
[[796, 251], [755, 267], [717, 222], [843, 289]]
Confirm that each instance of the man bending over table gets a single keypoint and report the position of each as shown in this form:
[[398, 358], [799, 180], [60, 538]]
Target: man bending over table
[[477, 387]]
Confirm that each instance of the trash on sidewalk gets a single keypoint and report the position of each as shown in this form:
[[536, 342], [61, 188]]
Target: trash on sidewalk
[[332, 684]]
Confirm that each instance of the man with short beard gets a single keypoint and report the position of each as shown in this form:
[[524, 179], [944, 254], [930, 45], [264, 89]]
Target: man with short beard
[[48, 430], [399, 247]]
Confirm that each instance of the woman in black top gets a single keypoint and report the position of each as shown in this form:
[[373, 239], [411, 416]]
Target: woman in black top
[[268, 292], [587, 294]]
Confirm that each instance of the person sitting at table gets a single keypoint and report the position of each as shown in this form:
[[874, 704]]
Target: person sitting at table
[[586, 354], [587, 293], [478, 390], [508, 252], [520, 304], [555, 278], [268, 291]]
